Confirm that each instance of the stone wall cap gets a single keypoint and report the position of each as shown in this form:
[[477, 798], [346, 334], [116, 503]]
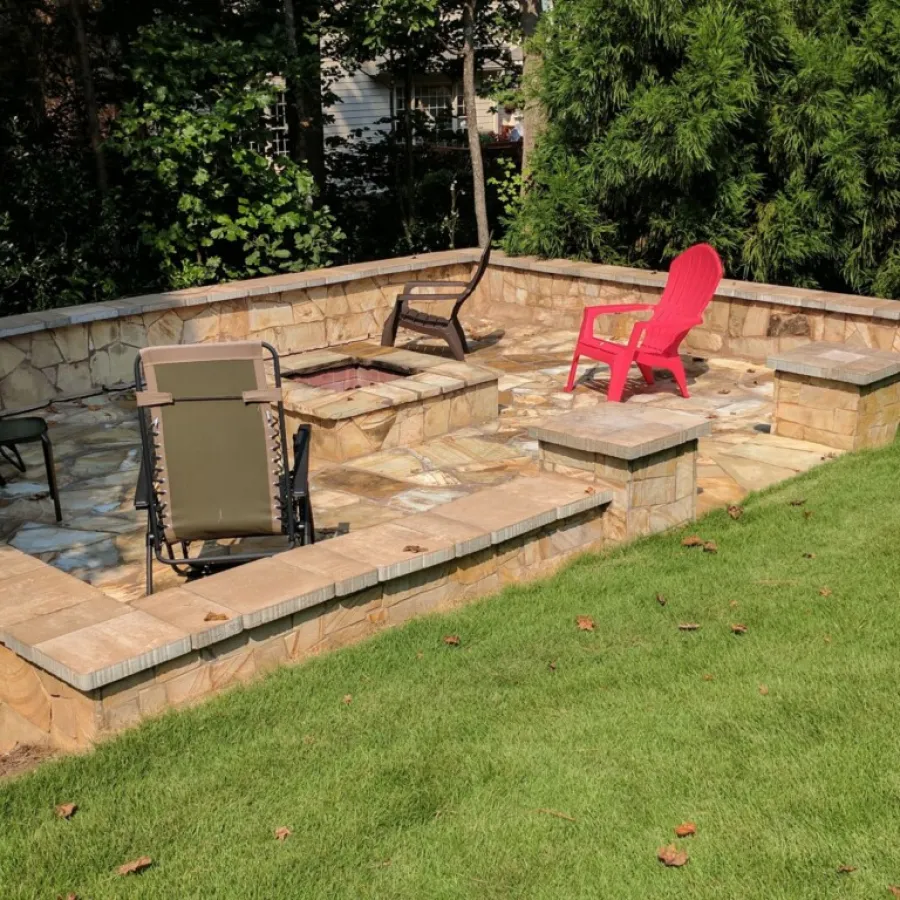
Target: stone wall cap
[[26, 323], [755, 292], [837, 362], [621, 431]]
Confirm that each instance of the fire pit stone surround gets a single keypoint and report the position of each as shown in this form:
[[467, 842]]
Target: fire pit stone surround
[[426, 396]]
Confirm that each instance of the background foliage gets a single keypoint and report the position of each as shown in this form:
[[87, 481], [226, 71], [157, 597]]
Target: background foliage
[[770, 128], [135, 156]]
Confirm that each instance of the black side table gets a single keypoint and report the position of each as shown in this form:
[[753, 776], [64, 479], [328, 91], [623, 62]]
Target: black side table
[[26, 431]]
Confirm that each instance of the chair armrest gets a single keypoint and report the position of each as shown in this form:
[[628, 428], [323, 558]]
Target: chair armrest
[[142, 491], [411, 285]]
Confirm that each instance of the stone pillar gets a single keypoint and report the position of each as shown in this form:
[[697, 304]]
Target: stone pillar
[[648, 458]]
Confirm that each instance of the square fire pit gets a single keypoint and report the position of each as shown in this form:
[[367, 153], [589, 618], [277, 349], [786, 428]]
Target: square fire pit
[[391, 398]]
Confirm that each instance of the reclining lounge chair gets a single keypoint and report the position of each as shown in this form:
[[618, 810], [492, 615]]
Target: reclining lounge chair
[[214, 465]]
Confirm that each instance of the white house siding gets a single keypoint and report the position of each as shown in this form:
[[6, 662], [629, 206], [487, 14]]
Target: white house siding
[[363, 102]]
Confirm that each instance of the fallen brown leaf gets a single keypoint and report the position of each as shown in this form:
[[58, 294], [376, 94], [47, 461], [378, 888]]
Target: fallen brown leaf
[[725, 391], [590, 490], [451, 640], [825, 592], [414, 548], [688, 626], [807, 513], [685, 829], [420, 654], [135, 866], [671, 856], [70, 896], [710, 547], [846, 870], [712, 415], [735, 511], [347, 700], [809, 555], [661, 599], [557, 814], [733, 604], [798, 502], [764, 690], [66, 810], [584, 623], [895, 891], [738, 628], [692, 540], [707, 677], [215, 617], [827, 639], [751, 371], [282, 833], [553, 666]]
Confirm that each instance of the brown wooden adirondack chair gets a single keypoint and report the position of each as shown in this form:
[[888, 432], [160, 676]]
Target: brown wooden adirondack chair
[[449, 328]]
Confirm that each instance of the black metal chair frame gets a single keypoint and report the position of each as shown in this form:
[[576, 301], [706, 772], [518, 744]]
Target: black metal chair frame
[[449, 329], [10, 452], [297, 513]]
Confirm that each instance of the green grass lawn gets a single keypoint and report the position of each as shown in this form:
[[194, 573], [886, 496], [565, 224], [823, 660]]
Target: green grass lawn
[[435, 780]]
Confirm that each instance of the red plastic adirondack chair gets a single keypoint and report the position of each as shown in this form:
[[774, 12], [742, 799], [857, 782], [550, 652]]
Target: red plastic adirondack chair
[[693, 279]]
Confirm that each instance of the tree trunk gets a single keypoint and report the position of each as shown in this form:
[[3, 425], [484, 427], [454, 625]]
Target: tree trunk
[[472, 121], [535, 117], [303, 94], [409, 181], [91, 113]]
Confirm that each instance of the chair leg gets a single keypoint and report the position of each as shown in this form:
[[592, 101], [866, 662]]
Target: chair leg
[[456, 342], [309, 527], [16, 459], [573, 371], [51, 474], [647, 372], [391, 326], [462, 335], [677, 369], [618, 375], [149, 564]]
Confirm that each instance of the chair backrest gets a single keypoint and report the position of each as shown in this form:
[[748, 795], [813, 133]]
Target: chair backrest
[[693, 278], [213, 446], [479, 273]]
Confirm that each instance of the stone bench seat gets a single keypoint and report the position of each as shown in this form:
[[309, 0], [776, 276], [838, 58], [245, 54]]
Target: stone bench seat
[[840, 396]]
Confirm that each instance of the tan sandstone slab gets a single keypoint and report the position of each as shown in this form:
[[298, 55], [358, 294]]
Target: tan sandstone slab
[[349, 574], [505, 512], [265, 590], [200, 617], [37, 592], [395, 549], [14, 562], [111, 650], [838, 362], [621, 431], [30, 632]]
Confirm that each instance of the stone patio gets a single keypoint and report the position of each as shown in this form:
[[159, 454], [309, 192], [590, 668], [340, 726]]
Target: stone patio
[[96, 443]]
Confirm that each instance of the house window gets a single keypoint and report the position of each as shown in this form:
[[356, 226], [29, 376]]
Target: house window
[[276, 125], [435, 101]]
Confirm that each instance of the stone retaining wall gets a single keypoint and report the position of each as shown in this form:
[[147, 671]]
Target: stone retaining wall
[[76, 665], [745, 320], [73, 350]]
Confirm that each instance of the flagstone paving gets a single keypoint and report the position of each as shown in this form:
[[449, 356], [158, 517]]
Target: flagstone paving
[[96, 443]]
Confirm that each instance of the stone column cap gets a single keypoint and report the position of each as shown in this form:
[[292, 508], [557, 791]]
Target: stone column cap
[[837, 362], [622, 431]]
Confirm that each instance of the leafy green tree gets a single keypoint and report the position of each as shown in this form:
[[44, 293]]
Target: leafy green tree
[[203, 194], [769, 129]]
